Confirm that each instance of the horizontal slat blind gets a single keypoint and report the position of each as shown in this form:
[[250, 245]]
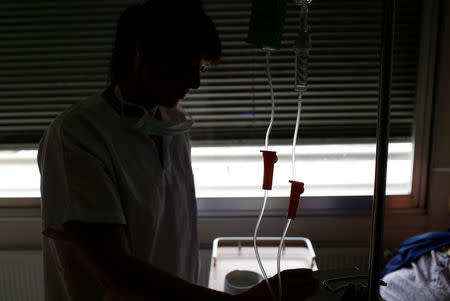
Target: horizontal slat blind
[[341, 101], [54, 53]]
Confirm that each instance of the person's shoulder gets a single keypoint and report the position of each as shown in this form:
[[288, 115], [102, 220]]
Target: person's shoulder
[[80, 116], [87, 110]]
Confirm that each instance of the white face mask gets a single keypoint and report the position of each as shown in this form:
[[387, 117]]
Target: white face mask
[[148, 125]]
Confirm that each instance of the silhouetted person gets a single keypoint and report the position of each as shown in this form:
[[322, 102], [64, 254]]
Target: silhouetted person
[[118, 200]]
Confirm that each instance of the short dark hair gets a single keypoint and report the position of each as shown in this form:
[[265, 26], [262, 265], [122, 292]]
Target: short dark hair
[[175, 27]]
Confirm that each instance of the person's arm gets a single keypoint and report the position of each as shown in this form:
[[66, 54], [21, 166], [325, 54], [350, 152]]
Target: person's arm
[[105, 250]]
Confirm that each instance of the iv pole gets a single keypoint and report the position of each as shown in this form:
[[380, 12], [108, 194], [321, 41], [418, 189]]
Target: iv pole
[[382, 149]]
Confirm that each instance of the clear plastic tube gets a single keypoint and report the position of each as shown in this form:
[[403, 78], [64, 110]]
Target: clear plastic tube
[[258, 258], [272, 97], [301, 73], [280, 287], [294, 140]]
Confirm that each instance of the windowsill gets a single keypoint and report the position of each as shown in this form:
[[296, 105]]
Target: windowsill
[[334, 226], [210, 208], [250, 207]]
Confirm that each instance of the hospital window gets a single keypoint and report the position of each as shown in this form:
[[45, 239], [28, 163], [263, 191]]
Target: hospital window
[[56, 53]]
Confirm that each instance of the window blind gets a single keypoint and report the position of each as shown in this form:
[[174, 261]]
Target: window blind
[[55, 53]]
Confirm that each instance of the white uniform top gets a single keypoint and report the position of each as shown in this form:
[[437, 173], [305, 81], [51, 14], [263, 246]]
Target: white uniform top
[[93, 169]]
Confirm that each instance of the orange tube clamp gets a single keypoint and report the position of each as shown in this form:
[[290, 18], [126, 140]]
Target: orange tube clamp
[[296, 190], [269, 160]]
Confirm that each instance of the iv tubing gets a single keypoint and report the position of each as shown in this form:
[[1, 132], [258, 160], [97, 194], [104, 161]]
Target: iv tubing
[[258, 258], [293, 177], [279, 258], [273, 100], [294, 142]]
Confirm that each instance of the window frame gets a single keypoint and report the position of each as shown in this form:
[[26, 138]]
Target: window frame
[[428, 51]]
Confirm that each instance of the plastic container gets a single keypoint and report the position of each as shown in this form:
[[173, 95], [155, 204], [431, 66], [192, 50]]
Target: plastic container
[[239, 281]]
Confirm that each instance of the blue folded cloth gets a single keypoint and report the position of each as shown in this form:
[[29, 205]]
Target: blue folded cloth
[[414, 247]]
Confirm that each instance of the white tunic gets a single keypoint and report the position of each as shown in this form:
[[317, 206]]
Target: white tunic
[[93, 169]]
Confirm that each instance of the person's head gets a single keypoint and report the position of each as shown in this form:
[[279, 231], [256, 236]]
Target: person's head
[[160, 48]]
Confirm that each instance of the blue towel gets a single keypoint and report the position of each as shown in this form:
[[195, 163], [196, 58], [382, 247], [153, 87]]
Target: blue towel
[[414, 247]]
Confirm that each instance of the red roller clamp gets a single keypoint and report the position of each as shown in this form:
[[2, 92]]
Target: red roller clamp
[[269, 160], [296, 190]]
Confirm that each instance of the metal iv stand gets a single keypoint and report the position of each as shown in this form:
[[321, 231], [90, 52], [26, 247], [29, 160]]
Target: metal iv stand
[[382, 149], [376, 247]]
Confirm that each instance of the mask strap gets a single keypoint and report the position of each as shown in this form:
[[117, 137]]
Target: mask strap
[[186, 113], [119, 96]]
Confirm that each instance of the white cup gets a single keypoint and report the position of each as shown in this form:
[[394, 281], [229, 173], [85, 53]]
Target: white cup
[[239, 281]]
